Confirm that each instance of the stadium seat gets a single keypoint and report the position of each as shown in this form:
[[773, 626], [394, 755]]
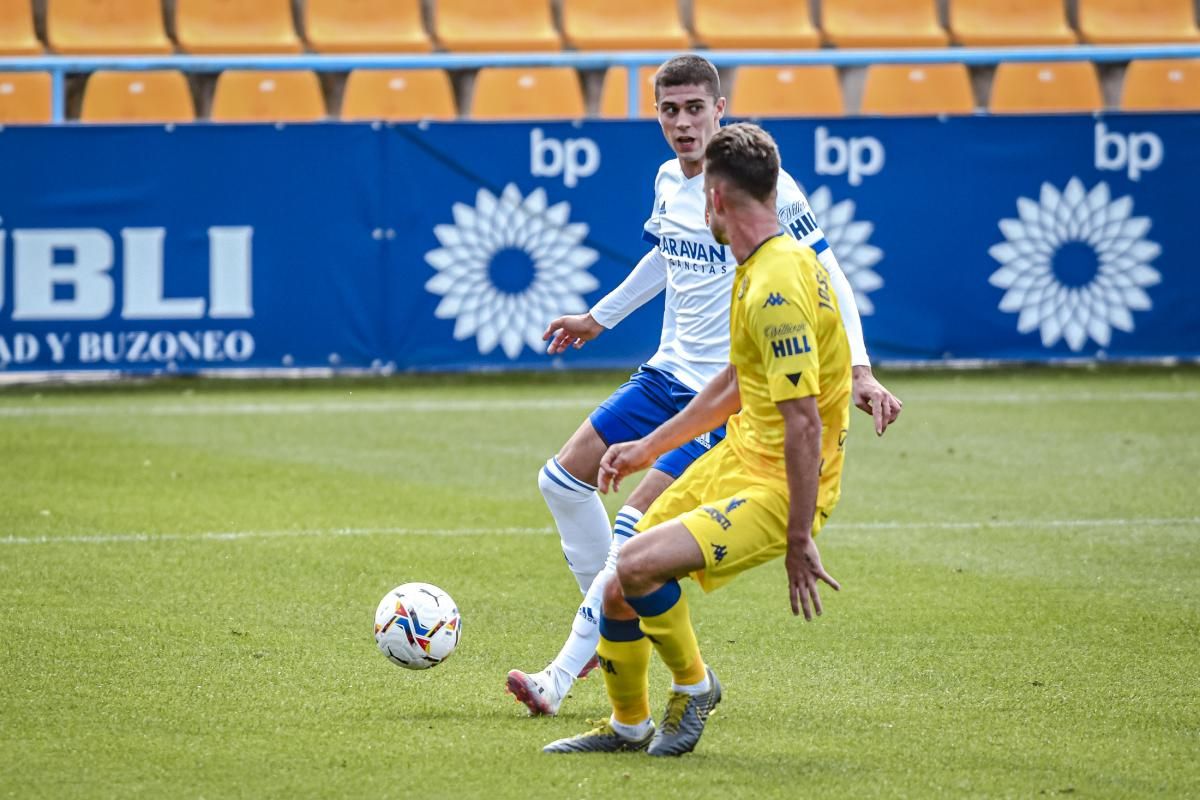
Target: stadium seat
[[787, 92], [623, 25], [1137, 21], [150, 96], [495, 25], [399, 95], [17, 37], [1046, 88], [25, 98], [614, 94], [262, 96], [882, 23], [754, 24], [236, 26], [106, 27], [527, 93], [366, 26], [1167, 85], [995, 23], [918, 90]]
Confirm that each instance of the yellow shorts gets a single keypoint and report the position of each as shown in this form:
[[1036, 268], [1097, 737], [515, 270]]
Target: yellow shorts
[[738, 518]]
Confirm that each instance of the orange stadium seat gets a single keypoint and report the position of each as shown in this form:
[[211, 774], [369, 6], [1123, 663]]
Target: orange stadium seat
[[1137, 21], [527, 93], [918, 90], [614, 94], [107, 27], [496, 25], [399, 95], [236, 26], [266, 96], [754, 24], [787, 92], [882, 23], [366, 26], [151, 96], [1167, 85], [994, 23], [25, 98], [17, 37], [623, 25], [1046, 88]]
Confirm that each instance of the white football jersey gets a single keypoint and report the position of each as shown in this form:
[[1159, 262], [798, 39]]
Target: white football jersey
[[699, 272]]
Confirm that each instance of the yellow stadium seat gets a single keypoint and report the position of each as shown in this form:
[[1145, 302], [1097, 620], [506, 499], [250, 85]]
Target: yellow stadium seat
[[17, 37], [496, 25], [918, 90], [527, 93], [754, 24], [25, 98], [399, 95], [623, 25], [882, 23], [614, 94], [996, 23], [1046, 88], [236, 26], [787, 92], [1167, 85], [1137, 21], [151, 96], [265, 96], [366, 26], [106, 27]]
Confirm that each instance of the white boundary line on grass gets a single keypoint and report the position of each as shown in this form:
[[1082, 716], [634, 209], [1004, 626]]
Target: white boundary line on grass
[[147, 538], [201, 408]]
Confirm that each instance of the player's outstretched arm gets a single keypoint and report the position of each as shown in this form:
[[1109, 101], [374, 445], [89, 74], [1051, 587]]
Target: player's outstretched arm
[[645, 281], [571, 331], [707, 410], [802, 454]]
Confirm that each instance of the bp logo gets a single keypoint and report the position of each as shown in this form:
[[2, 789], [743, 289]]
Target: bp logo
[[848, 240], [507, 266], [1075, 265]]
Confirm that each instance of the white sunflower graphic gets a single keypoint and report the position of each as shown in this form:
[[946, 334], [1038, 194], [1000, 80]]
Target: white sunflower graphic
[[1075, 265], [507, 267], [848, 240]]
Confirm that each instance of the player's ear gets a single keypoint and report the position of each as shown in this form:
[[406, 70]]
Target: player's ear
[[720, 107]]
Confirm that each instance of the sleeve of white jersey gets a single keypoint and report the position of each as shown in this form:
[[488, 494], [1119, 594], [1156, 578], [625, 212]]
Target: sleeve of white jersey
[[646, 280], [650, 231], [797, 218]]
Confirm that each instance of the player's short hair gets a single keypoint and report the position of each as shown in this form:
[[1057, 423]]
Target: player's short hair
[[687, 70], [745, 155]]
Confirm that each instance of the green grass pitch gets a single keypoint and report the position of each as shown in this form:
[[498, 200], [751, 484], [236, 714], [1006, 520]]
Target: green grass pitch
[[188, 573]]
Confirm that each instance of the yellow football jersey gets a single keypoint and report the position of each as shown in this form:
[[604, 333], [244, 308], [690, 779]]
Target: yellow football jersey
[[787, 341]]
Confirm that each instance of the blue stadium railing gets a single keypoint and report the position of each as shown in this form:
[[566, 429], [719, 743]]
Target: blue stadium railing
[[60, 66]]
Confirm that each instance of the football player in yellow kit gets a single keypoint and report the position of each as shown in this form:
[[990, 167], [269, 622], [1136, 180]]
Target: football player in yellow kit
[[761, 493]]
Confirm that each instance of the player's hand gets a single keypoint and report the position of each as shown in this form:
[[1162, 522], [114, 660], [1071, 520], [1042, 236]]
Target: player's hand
[[803, 563], [872, 397], [571, 331], [620, 460]]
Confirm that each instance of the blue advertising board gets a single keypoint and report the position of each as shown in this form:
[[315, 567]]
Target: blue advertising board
[[450, 246]]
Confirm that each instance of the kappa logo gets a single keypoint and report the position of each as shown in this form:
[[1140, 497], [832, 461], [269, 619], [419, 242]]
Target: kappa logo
[[734, 503], [719, 551], [776, 299], [606, 665]]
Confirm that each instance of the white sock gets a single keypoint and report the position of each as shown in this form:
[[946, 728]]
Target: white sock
[[632, 732], [693, 689], [581, 519], [585, 630]]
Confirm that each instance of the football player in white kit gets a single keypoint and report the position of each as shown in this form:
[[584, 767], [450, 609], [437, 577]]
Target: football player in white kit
[[697, 274]]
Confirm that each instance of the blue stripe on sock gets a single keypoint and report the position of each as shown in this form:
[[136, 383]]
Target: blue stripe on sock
[[620, 630], [550, 475], [630, 518], [658, 602], [623, 529], [572, 478]]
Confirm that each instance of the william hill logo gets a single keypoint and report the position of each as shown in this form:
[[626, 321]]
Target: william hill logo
[[775, 299], [790, 346]]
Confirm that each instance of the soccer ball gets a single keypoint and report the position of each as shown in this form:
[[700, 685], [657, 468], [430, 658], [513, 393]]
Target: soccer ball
[[417, 625]]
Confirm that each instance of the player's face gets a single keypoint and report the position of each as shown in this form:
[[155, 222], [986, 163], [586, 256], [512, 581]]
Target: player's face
[[714, 210], [689, 116]]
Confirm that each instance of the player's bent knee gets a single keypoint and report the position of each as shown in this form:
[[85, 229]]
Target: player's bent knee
[[614, 605], [632, 563]]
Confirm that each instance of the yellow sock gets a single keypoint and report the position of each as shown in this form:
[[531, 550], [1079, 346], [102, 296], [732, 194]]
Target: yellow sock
[[625, 661], [668, 625]]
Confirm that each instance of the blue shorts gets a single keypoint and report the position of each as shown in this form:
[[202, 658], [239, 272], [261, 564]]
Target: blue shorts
[[648, 399]]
